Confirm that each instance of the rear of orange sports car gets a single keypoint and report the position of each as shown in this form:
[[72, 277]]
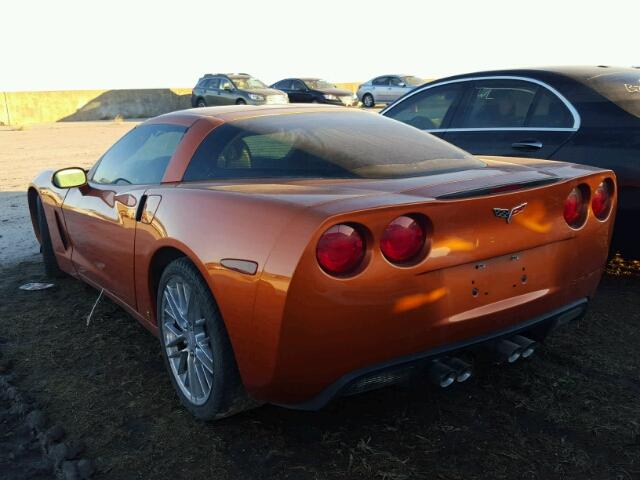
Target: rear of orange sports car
[[387, 283]]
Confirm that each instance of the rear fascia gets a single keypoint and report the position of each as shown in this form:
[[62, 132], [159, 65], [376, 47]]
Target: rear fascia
[[314, 328]]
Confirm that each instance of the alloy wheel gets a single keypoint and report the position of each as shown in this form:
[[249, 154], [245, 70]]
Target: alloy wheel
[[186, 341]]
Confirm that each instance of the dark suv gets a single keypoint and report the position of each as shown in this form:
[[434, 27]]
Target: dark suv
[[234, 88]]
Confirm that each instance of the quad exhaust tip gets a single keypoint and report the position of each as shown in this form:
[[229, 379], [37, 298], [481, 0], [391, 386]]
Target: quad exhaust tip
[[463, 370], [446, 372], [528, 346]]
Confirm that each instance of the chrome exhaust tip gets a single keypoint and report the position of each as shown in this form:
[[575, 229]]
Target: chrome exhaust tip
[[441, 374], [463, 370], [509, 351], [528, 346]]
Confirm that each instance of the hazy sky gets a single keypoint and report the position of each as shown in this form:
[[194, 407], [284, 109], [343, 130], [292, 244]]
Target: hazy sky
[[66, 44]]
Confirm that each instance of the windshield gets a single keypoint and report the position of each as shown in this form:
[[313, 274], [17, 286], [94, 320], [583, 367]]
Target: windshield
[[412, 81], [622, 88], [247, 83], [323, 145], [318, 84]]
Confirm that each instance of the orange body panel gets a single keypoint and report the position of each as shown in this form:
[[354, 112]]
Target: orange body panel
[[296, 329]]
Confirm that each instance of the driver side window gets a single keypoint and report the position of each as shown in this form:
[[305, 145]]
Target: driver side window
[[140, 157], [428, 109]]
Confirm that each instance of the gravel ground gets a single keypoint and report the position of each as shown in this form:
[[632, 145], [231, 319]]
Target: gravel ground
[[75, 396]]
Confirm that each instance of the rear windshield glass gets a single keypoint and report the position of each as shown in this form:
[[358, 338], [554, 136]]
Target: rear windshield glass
[[323, 145], [622, 88]]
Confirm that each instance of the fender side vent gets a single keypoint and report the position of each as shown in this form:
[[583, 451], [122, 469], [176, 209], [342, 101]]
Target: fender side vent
[[63, 236]]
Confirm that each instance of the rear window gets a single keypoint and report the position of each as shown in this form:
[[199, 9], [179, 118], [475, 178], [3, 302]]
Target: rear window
[[323, 145], [622, 88]]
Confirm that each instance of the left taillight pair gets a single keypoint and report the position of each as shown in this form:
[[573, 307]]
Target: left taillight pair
[[341, 249], [576, 203]]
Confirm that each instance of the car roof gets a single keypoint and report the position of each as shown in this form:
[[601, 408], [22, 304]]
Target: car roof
[[240, 112], [578, 73]]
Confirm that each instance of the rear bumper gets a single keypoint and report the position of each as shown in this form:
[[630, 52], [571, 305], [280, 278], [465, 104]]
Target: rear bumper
[[398, 369]]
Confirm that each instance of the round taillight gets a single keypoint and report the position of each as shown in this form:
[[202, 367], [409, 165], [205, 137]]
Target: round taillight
[[601, 200], [575, 207], [402, 240], [340, 249]]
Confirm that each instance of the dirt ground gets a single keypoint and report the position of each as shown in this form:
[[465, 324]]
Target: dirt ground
[[570, 412]]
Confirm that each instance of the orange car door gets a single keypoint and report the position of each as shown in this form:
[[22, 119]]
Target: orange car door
[[100, 217]]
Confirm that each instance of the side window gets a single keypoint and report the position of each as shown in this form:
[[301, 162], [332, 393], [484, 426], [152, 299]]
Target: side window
[[140, 157], [298, 86], [203, 83], [213, 84], [283, 85], [549, 112], [498, 104], [381, 81], [395, 81], [225, 84], [427, 110]]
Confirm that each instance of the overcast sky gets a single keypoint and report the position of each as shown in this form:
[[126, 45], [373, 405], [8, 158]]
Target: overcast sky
[[67, 44]]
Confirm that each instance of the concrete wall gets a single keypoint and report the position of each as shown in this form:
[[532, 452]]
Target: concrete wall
[[21, 108]]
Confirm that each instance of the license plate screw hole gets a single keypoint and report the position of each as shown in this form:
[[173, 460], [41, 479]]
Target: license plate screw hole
[[523, 279], [474, 292]]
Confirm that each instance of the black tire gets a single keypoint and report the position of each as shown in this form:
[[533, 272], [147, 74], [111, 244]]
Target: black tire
[[227, 396], [241, 101], [200, 103], [51, 267], [368, 101]]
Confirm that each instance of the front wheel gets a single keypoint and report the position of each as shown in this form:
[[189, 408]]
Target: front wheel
[[201, 103], [240, 101], [195, 346], [368, 101]]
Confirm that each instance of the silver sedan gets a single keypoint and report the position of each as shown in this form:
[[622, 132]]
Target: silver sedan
[[386, 89]]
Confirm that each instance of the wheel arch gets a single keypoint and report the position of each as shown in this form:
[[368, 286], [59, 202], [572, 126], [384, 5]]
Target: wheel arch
[[32, 198]]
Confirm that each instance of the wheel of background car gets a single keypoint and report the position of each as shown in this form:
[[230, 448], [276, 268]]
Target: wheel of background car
[[240, 101], [195, 345], [314, 101], [367, 100], [51, 267], [201, 103]]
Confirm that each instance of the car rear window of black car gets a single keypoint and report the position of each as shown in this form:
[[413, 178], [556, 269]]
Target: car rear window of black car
[[621, 88], [323, 145]]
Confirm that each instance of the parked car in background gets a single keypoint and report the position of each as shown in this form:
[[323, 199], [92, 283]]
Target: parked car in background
[[315, 90], [588, 115], [234, 88], [386, 89], [293, 254]]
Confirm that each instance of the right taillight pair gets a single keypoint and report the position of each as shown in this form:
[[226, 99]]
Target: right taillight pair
[[341, 249], [576, 203]]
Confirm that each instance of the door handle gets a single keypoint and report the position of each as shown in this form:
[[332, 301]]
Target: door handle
[[532, 145]]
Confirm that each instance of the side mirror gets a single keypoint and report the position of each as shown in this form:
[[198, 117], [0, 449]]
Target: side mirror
[[402, 84], [69, 178]]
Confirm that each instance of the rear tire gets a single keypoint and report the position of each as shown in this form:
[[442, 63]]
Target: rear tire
[[368, 101], [202, 368], [240, 101], [201, 103], [49, 261]]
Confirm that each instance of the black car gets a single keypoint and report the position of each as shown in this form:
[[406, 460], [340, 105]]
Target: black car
[[588, 115], [315, 90]]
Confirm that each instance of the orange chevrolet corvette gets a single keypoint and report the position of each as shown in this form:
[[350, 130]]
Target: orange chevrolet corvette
[[292, 254]]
